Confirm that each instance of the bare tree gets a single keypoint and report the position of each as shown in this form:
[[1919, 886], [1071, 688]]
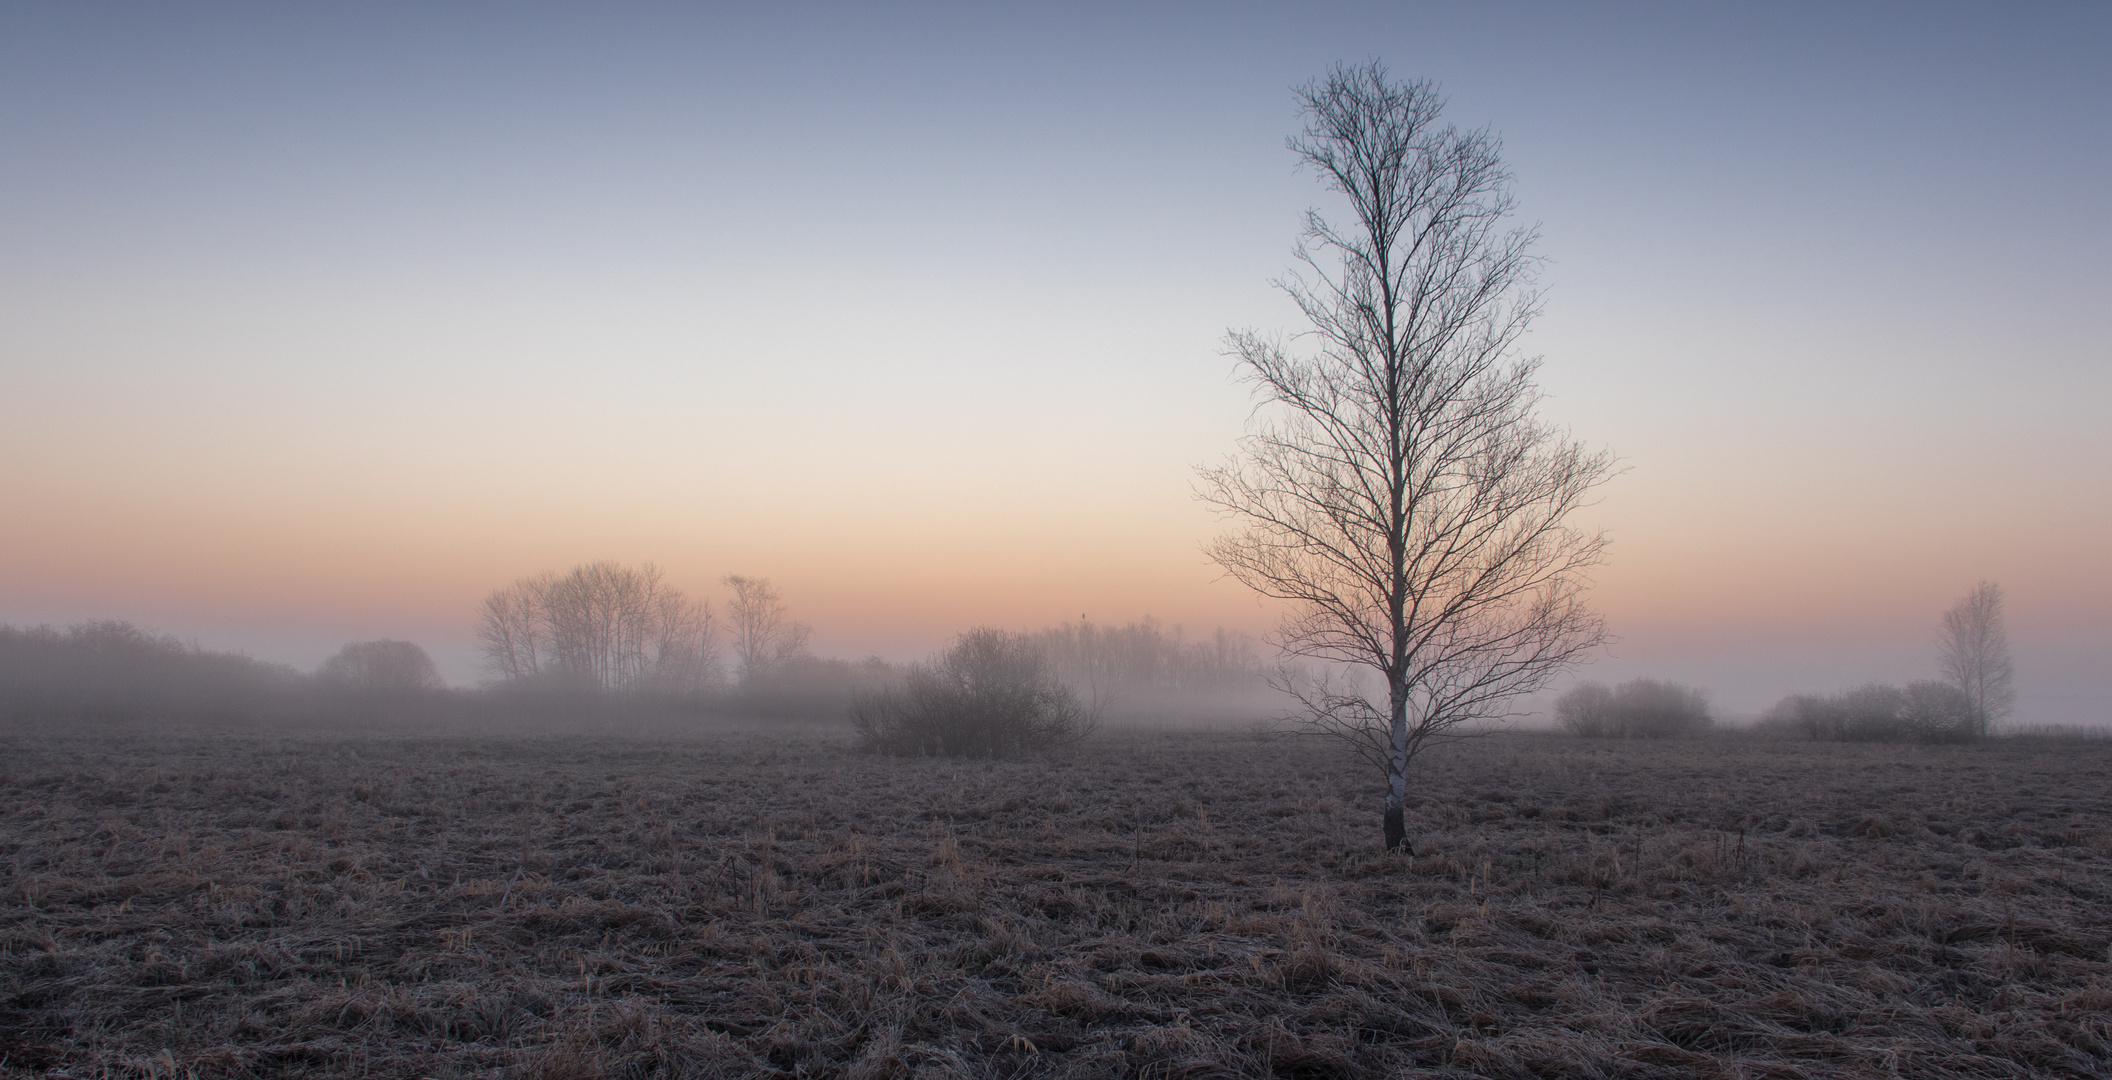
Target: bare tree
[[1395, 485], [601, 626], [1974, 649], [764, 635], [514, 631]]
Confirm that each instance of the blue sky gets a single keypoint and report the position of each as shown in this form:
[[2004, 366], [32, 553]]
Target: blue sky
[[322, 322]]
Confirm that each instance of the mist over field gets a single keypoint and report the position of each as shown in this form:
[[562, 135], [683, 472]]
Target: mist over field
[[322, 325]]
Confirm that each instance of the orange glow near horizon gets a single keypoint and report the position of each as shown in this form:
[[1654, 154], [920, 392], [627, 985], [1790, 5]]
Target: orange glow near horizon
[[294, 357], [427, 565]]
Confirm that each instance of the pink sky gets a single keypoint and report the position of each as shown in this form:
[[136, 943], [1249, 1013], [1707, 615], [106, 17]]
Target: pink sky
[[320, 330]]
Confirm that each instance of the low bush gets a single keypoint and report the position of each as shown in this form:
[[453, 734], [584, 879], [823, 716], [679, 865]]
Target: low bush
[[381, 669], [1637, 709], [1923, 711], [992, 694]]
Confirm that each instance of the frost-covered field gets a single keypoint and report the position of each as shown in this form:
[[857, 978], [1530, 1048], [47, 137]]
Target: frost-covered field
[[1152, 904]]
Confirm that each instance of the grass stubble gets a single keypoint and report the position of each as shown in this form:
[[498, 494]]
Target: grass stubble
[[1154, 904]]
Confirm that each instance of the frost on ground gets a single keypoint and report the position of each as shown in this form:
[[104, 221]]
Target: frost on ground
[[1150, 905]]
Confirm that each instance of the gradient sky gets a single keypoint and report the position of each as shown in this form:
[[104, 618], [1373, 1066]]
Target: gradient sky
[[317, 325]]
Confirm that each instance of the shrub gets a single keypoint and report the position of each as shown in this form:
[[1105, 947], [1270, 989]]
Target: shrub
[[1586, 710], [381, 669], [1637, 709], [1924, 711], [991, 694], [1872, 713], [1941, 712], [1807, 715]]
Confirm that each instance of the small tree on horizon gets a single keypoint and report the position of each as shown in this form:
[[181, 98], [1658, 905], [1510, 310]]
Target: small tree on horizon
[[1973, 648], [764, 634]]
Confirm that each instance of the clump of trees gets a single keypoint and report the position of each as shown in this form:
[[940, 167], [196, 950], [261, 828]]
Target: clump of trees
[[993, 693], [1926, 711], [765, 637], [1978, 688], [601, 627], [1636, 709]]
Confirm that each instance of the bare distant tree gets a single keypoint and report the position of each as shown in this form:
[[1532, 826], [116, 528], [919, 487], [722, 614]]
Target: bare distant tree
[[1396, 487], [1102, 661], [1974, 649], [514, 631], [764, 634], [381, 668], [601, 626]]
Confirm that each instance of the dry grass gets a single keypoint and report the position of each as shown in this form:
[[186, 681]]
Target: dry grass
[[1156, 905]]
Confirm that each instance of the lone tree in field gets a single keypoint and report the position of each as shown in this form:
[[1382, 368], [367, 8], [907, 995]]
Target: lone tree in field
[[1395, 486], [1974, 648]]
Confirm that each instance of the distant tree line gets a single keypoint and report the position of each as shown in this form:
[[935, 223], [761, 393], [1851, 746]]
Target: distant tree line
[[381, 669], [996, 693], [607, 640], [605, 635], [106, 670], [608, 630], [1142, 656], [1924, 711], [1977, 691]]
